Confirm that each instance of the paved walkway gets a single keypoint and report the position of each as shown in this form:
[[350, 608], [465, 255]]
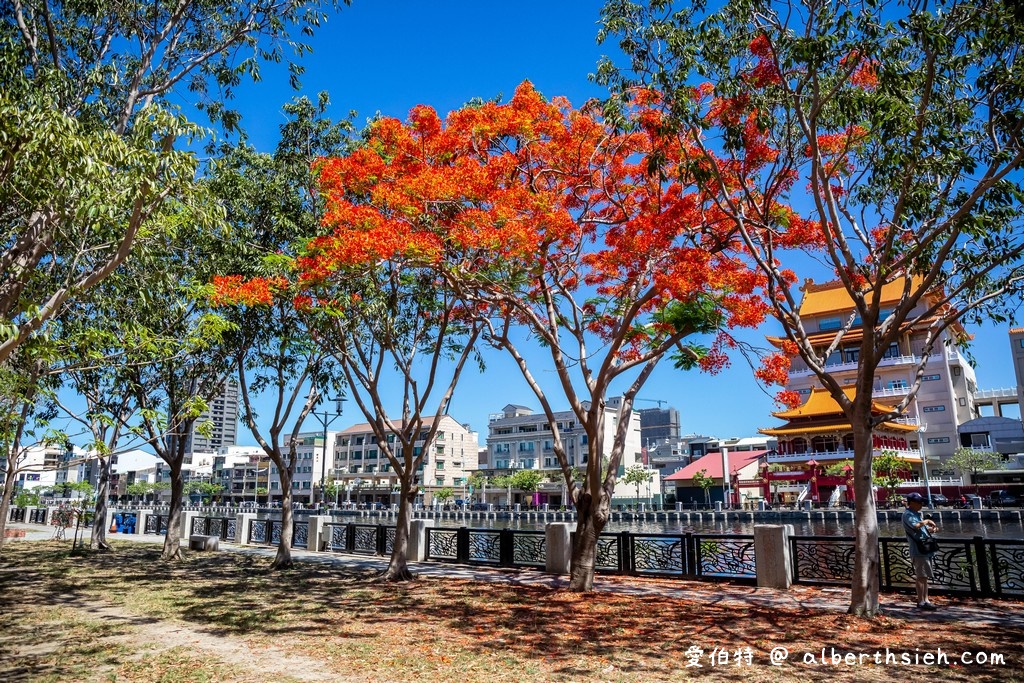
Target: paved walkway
[[968, 611]]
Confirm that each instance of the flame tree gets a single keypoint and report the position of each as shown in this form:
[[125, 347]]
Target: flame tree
[[598, 242], [896, 128]]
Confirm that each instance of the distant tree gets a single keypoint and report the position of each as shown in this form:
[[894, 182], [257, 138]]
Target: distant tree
[[637, 475], [702, 480], [973, 462], [444, 495], [890, 471], [527, 480]]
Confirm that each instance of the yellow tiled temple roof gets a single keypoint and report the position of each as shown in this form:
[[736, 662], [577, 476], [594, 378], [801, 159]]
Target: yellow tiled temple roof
[[832, 297], [821, 404]]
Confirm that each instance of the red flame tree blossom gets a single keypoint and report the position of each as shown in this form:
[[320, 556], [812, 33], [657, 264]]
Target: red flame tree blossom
[[601, 240]]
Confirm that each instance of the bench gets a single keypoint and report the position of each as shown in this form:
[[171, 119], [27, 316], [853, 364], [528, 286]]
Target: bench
[[201, 542]]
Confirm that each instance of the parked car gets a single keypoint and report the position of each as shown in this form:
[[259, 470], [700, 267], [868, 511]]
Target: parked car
[[1002, 498], [939, 500]]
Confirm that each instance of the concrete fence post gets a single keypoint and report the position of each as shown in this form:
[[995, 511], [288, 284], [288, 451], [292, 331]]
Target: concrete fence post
[[319, 533], [772, 558], [418, 549], [243, 521], [558, 547], [186, 522], [143, 520]]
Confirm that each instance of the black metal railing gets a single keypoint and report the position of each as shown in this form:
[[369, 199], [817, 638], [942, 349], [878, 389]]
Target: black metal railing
[[360, 539], [973, 566], [17, 515], [691, 556], [156, 524], [38, 516], [495, 547]]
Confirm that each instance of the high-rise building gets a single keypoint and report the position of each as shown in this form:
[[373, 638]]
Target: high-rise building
[[658, 426], [223, 413]]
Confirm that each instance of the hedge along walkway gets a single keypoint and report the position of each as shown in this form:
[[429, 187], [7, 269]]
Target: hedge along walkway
[[225, 620]]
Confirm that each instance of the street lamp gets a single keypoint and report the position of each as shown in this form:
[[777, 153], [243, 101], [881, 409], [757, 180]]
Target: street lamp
[[921, 440], [326, 418]]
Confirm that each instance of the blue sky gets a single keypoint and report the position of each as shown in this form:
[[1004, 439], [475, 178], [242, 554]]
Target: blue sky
[[388, 55]]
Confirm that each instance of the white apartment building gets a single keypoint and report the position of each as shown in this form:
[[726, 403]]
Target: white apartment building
[[37, 466], [520, 439], [367, 477]]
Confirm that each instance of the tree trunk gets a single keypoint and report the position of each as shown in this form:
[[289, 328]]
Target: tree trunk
[[398, 566], [864, 594], [172, 541], [99, 522], [283, 560], [5, 506], [589, 525]]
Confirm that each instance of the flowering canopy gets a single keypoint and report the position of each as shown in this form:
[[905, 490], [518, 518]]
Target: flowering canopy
[[534, 196]]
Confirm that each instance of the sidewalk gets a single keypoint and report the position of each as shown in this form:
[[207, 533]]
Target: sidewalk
[[968, 611]]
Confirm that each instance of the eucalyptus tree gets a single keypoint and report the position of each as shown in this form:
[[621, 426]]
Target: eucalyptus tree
[[89, 129], [273, 209], [880, 142]]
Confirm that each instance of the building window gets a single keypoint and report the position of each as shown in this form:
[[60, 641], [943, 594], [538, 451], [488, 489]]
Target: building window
[[439, 465], [897, 384], [439, 481], [525, 446], [962, 401], [829, 324], [934, 409], [850, 355], [930, 378], [892, 352], [939, 439]]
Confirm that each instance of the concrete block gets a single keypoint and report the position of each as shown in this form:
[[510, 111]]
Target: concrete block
[[201, 542], [771, 555], [558, 547], [418, 539]]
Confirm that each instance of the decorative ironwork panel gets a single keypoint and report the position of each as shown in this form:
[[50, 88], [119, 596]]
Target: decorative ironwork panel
[[485, 546], [389, 540], [659, 554], [200, 525], [1007, 564], [365, 540], [258, 531], [529, 549], [337, 542], [823, 560], [275, 532], [442, 544], [725, 555], [300, 534], [953, 566], [232, 524], [608, 553], [217, 527], [152, 524]]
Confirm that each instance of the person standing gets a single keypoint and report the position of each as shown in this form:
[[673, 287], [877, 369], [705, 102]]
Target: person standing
[[915, 525]]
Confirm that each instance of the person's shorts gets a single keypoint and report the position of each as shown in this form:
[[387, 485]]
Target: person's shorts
[[923, 566]]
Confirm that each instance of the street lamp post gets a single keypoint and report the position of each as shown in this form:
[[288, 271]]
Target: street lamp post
[[512, 468], [326, 418], [924, 463]]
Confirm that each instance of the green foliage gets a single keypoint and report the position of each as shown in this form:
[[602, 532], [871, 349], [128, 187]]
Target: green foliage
[[637, 475], [840, 468], [527, 481], [889, 470], [972, 462], [444, 495], [702, 480]]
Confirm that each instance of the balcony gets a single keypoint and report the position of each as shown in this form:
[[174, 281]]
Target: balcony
[[830, 456]]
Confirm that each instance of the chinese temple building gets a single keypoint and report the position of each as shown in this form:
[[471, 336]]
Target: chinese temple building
[[817, 437]]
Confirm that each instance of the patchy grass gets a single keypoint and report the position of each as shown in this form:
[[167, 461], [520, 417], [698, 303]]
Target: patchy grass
[[343, 627]]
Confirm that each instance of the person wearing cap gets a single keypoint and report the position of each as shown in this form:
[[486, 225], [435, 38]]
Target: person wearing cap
[[914, 521]]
